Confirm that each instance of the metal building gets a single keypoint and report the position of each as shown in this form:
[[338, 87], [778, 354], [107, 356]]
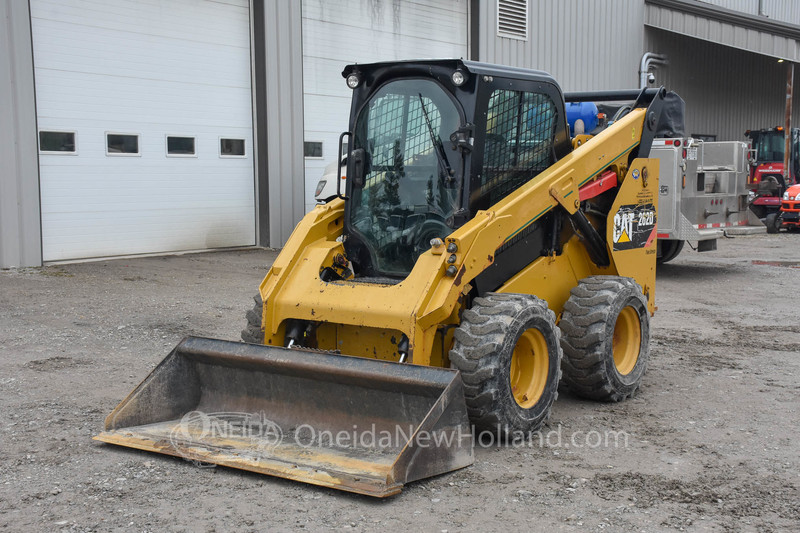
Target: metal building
[[149, 127], [728, 59]]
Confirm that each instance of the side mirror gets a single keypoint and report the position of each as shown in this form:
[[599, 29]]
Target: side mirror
[[357, 167]]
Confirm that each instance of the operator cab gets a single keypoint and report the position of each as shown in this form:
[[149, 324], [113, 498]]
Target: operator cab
[[433, 142]]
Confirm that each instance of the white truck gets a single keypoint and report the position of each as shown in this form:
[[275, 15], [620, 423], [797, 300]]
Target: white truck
[[702, 192], [326, 187]]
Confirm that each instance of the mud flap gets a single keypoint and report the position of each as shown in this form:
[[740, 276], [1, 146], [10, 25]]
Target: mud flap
[[350, 423]]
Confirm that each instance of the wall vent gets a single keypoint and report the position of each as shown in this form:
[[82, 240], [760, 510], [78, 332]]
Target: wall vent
[[512, 19]]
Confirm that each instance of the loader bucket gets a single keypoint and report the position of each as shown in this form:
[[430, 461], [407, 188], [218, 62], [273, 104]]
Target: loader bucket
[[350, 423]]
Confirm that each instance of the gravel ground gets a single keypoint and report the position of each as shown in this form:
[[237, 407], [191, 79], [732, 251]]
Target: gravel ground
[[709, 444]]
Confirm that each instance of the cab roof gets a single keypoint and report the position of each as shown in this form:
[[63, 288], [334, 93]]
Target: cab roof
[[473, 67]]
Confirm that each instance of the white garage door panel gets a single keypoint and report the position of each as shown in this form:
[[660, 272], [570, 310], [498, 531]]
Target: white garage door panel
[[383, 43], [136, 55], [103, 98], [324, 76], [339, 32], [141, 233], [181, 19], [444, 20], [335, 119], [323, 126], [151, 68], [122, 192]]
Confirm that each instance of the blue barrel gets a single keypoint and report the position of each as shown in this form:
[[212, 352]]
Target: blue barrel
[[585, 111]]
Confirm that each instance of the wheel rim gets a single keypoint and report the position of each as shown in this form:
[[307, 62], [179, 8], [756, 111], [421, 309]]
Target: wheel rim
[[627, 340], [529, 368]]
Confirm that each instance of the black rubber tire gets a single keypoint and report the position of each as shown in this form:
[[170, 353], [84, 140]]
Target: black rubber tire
[[772, 222], [759, 211], [587, 329], [482, 350], [668, 250], [254, 333]]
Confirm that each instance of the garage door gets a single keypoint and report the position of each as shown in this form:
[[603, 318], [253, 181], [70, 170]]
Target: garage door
[[145, 126], [339, 32]]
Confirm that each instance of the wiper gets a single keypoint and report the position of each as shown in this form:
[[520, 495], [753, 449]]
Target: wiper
[[444, 164]]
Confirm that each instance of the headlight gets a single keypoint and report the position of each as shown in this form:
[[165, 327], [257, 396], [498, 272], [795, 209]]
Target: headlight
[[786, 196], [353, 80], [320, 186], [458, 77]]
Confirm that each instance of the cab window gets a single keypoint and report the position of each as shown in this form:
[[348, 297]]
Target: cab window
[[520, 130]]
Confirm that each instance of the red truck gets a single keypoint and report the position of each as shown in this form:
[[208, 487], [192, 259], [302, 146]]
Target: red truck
[[767, 182]]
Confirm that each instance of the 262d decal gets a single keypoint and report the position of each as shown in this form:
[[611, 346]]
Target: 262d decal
[[633, 226]]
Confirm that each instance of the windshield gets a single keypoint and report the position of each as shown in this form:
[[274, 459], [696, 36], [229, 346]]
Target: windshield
[[411, 185], [770, 147]]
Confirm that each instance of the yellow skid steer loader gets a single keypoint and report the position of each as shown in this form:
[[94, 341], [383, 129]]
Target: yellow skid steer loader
[[476, 254]]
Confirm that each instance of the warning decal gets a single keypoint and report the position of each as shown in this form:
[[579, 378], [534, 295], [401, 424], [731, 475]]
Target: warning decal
[[633, 226]]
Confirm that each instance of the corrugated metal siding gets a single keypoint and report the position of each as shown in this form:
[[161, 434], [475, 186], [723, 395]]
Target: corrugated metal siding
[[584, 45], [727, 91], [722, 33], [20, 230], [782, 10]]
